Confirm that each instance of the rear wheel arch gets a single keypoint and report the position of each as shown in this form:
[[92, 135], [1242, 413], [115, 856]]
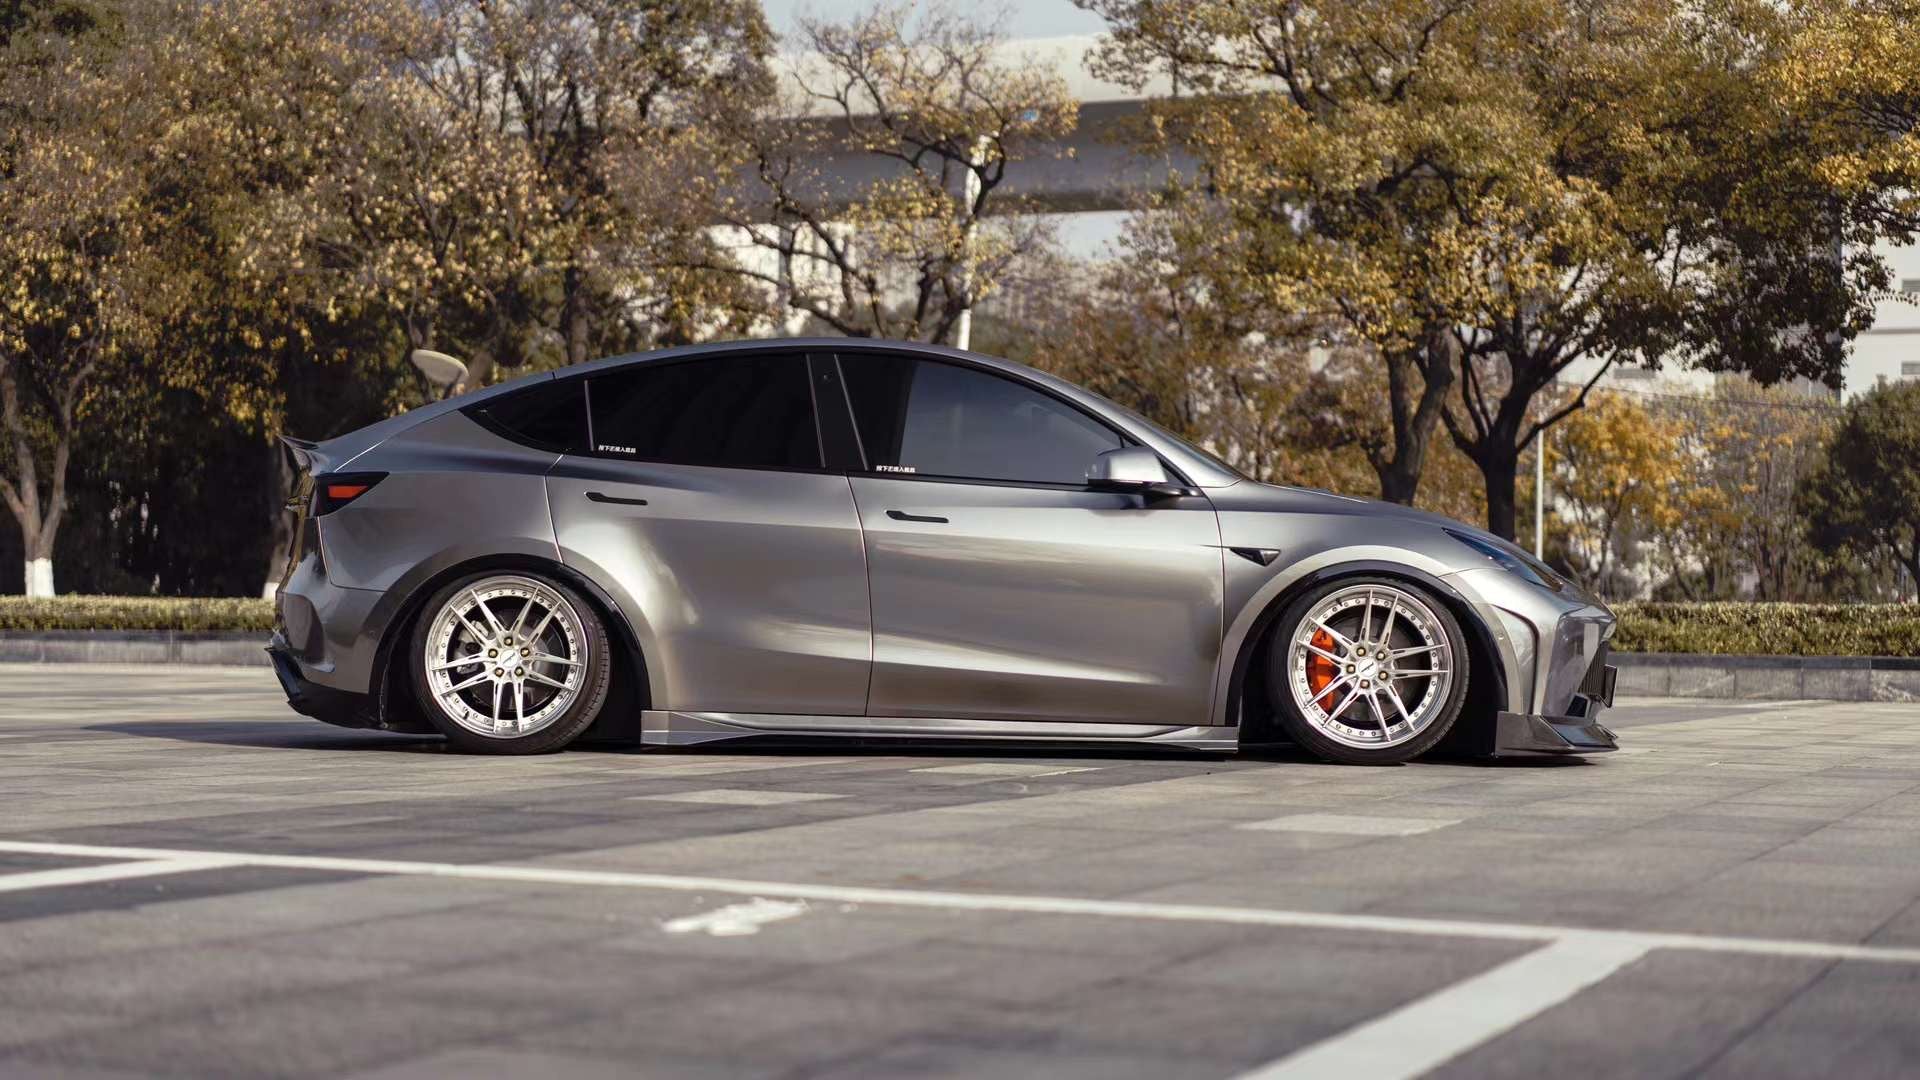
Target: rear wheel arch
[[631, 691]]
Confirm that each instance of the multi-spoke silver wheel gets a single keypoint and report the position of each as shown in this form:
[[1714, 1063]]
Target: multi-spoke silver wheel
[[1371, 666], [505, 656]]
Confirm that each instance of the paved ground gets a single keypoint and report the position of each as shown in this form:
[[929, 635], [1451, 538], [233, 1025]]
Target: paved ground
[[194, 881]]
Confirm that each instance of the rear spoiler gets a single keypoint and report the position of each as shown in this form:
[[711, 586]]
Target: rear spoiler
[[306, 453]]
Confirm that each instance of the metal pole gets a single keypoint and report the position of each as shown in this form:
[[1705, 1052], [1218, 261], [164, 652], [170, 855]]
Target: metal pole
[[1540, 498]]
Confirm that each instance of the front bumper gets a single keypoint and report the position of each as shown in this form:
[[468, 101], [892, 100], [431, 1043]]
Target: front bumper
[[1517, 735], [1522, 734]]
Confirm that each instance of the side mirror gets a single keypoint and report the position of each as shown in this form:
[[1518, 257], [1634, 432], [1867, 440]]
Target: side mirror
[[1133, 469]]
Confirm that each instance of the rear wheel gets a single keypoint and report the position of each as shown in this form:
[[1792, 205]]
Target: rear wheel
[[508, 663], [1368, 671]]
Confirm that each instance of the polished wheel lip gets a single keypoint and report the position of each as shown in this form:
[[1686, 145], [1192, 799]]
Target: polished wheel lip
[[1373, 677], [542, 648]]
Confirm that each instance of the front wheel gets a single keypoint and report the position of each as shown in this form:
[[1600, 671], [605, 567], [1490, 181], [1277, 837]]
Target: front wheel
[[508, 663], [1367, 671]]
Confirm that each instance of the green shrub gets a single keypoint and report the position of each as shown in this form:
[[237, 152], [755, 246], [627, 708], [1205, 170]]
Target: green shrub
[[200, 614], [1720, 627], [1770, 629]]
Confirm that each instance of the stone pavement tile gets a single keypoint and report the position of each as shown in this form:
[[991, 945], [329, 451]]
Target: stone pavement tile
[[985, 973], [300, 1035], [1370, 969], [28, 1023], [487, 1063], [1855, 1020], [1162, 942], [588, 977], [957, 1057], [793, 1027], [1173, 1019], [1836, 912], [132, 893], [165, 980], [441, 938], [1666, 1015]]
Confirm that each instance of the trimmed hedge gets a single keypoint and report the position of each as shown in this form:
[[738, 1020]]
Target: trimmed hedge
[[193, 614], [1736, 627], [1724, 627]]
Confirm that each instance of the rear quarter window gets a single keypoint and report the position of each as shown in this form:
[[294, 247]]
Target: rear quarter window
[[549, 416]]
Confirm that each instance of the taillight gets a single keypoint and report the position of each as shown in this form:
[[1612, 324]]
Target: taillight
[[330, 493]]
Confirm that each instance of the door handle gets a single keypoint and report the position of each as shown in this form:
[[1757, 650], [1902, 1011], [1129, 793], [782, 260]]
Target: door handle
[[600, 497], [902, 515]]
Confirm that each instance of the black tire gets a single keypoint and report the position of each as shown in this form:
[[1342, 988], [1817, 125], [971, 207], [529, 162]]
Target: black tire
[[571, 721], [1293, 721]]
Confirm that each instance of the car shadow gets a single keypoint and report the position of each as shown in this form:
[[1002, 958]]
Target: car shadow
[[275, 734], [300, 736]]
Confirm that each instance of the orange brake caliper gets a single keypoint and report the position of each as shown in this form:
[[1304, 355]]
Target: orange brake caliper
[[1320, 670]]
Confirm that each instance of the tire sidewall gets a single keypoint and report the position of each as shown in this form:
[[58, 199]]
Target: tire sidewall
[[569, 725], [1294, 724]]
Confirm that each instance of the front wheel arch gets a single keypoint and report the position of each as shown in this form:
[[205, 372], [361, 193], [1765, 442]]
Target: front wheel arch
[[1472, 733]]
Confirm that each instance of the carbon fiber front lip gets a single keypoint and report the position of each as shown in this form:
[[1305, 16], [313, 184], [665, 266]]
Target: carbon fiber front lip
[[1518, 734]]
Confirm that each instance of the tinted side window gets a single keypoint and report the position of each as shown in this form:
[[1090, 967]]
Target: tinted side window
[[746, 411], [549, 416], [939, 419]]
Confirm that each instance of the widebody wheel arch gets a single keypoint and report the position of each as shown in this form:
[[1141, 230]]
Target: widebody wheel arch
[[404, 602], [1495, 662]]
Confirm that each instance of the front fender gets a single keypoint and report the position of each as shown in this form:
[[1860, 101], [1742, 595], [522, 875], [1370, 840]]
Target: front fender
[[1259, 594]]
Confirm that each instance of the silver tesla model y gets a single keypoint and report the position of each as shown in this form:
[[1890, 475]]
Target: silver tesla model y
[[883, 540]]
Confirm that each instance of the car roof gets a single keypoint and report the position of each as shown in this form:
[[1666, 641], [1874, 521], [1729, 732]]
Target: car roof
[[1199, 468]]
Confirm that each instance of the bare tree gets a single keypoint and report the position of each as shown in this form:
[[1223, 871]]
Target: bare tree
[[928, 106]]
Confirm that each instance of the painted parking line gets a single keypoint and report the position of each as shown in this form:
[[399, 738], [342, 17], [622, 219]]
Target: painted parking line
[[119, 871], [737, 797], [1012, 903], [1006, 769], [1424, 1034], [1350, 824]]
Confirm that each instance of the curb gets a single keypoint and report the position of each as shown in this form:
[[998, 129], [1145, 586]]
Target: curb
[[247, 648], [1768, 678]]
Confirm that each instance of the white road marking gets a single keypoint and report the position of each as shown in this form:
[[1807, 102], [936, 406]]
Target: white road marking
[[120, 871], [709, 767], [1424, 1034], [1351, 824], [1013, 903], [737, 797], [1006, 768], [737, 920]]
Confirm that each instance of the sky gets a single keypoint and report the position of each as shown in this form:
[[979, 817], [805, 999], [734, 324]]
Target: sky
[[1025, 19]]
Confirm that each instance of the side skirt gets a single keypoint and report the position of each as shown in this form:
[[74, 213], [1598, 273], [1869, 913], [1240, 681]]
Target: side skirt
[[664, 728]]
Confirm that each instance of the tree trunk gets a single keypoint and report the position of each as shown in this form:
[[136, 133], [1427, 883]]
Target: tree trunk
[[1414, 418], [1500, 469], [573, 316]]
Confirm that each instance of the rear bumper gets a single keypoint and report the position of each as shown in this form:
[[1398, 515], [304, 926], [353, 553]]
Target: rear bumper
[[340, 707]]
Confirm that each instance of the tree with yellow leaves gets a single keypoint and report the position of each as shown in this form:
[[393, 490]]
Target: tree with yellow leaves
[[1619, 478], [80, 282], [1491, 192]]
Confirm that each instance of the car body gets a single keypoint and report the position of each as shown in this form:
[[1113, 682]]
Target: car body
[[844, 537]]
